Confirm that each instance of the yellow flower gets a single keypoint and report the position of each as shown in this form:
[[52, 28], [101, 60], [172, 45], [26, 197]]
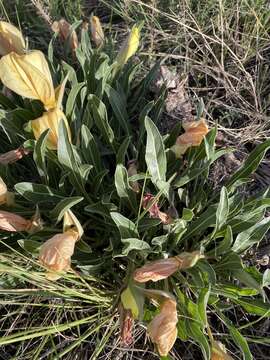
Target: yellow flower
[[55, 254], [11, 39], [193, 136], [162, 329], [29, 76], [96, 31], [50, 120], [13, 222], [161, 269], [129, 47], [5, 196]]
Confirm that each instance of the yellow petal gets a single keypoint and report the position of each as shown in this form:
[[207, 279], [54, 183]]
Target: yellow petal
[[50, 120], [129, 47], [29, 76], [11, 39], [71, 222], [96, 31]]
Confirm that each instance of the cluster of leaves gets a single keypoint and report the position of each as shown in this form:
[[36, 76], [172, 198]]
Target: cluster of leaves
[[112, 122]]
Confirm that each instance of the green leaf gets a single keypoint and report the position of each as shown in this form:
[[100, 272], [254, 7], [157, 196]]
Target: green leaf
[[123, 189], [251, 163], [241, 342], [223, 209], [90, 149], [122, 151], [37, 193], [225, 245], [100, 116], [230, 262], [125, 226], [202, 304], [155, 156], [68, 160], [254, 306], [64, 205], [134, 244], [71, 100], [39, 153], [30, 246], [247, 279], [266, 278], [197, 334], [119, 108], [251, 236]]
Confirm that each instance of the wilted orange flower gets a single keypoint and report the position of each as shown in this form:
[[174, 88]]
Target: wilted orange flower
[[64, 29], [149, 203], [13, 156], [162, 329], [218, 351], [161, 269], [96, 31], [11, 39], [13, 222], [56, 253], [132, 170], [156, 270], [193, 136]]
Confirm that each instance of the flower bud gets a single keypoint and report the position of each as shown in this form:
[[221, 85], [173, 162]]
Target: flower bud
[[162, 329], [218, 351], [129, 47], [193, 136], [132, 170], [11, 39], [64, 29], [13, 156], [129, 302], [55, 254], [96, 31], [13, 222]]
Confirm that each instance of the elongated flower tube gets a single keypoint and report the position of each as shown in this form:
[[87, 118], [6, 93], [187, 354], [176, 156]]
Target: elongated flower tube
[[11, 39], [13, 223], [55, 254], [97, 33], [161, 269], [129, 47], [193, 136], [218, 351], [13, 156], [29, 76], [162, 329], [64, 29], [50, 120]]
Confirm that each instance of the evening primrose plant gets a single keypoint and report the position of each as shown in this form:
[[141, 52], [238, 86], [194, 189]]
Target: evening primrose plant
[[124, 212]]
